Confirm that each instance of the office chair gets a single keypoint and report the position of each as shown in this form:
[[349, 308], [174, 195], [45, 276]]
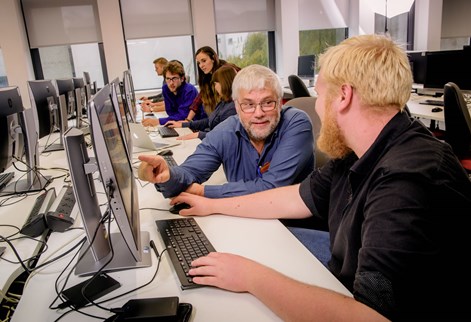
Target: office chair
[[297, 86], [307, 105], [457, 124]]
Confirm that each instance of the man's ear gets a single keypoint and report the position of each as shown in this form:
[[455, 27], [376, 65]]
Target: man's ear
[[346, 92]]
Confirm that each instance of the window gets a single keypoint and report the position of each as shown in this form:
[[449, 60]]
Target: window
[[316, 41], [142, 53], [3, 72], [244, 49], [249, 40], [157, 28], [321, 25], [71, 61], [64, 38]]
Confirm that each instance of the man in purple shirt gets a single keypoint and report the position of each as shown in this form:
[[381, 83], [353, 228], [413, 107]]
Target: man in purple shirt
[[178, 96]]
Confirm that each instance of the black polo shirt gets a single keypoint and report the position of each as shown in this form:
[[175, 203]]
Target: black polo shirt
[[398, 221]]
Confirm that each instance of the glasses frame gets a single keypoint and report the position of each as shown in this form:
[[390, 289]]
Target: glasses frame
[[250, 108], [173, 79]]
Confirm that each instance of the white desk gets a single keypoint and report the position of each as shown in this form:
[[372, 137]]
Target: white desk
[[266, 241], [420, 110], [16, 214]]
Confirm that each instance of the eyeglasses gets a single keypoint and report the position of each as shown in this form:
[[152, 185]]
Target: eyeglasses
[[266, 106], [173, 79]]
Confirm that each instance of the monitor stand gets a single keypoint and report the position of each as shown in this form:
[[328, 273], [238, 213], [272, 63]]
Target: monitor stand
[[122, 258], [54, 147], [39, 182]]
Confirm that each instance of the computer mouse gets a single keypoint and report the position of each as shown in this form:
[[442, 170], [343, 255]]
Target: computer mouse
[[165, 152], [437, 109], [175, 209]]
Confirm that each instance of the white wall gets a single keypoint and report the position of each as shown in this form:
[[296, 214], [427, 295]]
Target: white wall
[[113, 41], [204, 26], [16, 54]]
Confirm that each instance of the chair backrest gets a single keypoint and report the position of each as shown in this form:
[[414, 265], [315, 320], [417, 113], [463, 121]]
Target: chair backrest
[[307, 104], [457, 120], [297, 86]]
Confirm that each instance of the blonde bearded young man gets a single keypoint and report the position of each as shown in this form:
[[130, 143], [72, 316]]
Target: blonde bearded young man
[[396, 200], [155, 103]]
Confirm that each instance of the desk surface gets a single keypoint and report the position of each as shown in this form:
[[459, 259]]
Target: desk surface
[[15, 210], [266, 241], [418, 109]]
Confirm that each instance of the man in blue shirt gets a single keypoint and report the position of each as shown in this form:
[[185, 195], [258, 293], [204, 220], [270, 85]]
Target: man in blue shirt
[[262, 147], [178, 95]]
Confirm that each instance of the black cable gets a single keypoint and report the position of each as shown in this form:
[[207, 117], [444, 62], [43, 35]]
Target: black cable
[[16, 254], [81, 242], [58, 292]]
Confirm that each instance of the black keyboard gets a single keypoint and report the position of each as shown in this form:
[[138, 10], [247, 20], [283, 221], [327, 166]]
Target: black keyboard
[[433, 102], [5, 178], [35, 224], [167, 132], [185, 241], [170, 160]]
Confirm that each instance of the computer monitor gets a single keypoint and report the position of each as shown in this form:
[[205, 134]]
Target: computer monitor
[[129, 96], [130, 245], [90, 86], [65, 86], [448, 66], [433, 69], [19, 138], [10, 107], [50, 111], [307, 67], [80, 102], [122, 117]]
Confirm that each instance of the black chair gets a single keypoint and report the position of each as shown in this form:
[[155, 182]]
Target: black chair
[[457, 124], [297, 86]]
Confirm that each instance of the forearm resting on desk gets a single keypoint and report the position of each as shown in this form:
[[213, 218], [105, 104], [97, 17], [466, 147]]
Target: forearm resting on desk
[[289, 299], [268, 204]]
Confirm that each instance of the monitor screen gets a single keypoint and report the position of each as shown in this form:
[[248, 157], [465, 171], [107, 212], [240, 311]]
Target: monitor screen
[[448, 66], [86, 78], [129, 96], [80, 100], [118, 179], [19, 138], [10, 145], [66, 86], [120, 110], [49, 114], [306, 66]]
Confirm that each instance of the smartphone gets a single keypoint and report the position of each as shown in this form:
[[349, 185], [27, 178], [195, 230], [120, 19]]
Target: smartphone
[[100, 286]]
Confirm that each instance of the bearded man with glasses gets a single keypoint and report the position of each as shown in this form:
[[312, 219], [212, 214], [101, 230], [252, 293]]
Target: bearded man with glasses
[[264, 146]]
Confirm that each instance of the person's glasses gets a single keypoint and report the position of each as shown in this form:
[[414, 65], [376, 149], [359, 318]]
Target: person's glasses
[[266, 106], [173, 79]]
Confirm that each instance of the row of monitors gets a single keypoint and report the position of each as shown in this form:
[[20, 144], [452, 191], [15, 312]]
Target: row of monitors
[[434, 69], [109, 114], [53, 104]]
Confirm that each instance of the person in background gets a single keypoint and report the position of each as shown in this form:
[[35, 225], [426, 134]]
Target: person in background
[[155, 103], [208, 62], [222, 81], [178, 95], [262, 147], [396, 199]]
